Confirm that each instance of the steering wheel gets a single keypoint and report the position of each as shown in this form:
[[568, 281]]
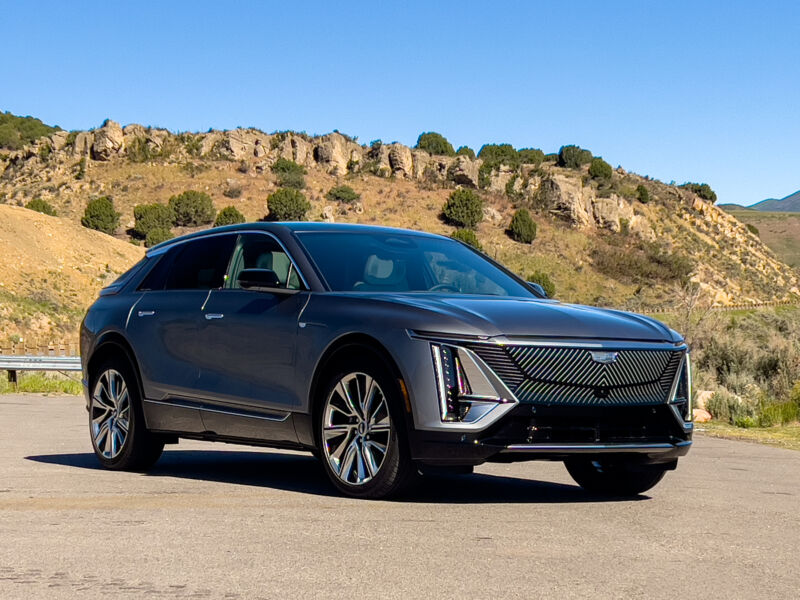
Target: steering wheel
[[444, 286]]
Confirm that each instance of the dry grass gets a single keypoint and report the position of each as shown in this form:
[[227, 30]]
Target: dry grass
[[786, 436]]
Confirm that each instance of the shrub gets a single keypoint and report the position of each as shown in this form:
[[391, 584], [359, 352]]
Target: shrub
[[543, 279], [232, 191], [642, 194], [573, 157], [45, 150], [552, 157], [463, 208], [600, 169], [342, 193], [731, 408], [100, 215], [80, 169], [289, 173], [192, 208], [751, 228], [640, 261], [499, 154], [41, 206], [468, 237], [16, 132], [523, 227], [149, 217], [139, 151], [701, 189], [229, 215], [287, 204], [531, 156], [435, 143], [157, 235], [466, 151]]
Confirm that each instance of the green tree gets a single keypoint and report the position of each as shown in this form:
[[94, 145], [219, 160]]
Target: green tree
[[149, 217], [287, 204], [342, 193], [642, 194], [435, 143], [600, 169], [157, 235], [289, 174], [463, 208], [16, 132], [523, 227], [468, 237], [100, 215], [41, 206], [229, 215], [544, 280], [531, 156], [701, 189], [192, 208], [573, 157], [466, 151]]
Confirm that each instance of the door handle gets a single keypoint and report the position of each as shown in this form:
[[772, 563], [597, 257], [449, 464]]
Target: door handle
[[211, 316], [146, 313]]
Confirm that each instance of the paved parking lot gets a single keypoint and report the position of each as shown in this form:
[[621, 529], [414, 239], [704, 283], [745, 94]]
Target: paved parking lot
[[218, 521]]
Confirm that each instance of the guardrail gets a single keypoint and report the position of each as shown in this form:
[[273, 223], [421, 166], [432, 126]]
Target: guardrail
[[13, 363]]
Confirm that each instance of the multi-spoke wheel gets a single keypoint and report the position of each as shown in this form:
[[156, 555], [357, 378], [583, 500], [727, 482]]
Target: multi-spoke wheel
[[110, 409], [116, 422], [356, 428], [362, 442]]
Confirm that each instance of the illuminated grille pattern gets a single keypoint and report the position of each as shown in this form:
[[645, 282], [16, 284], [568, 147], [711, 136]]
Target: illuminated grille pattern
[[570, 375]]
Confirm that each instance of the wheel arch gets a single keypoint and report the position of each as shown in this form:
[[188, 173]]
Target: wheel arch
[[111, 344], [333, 352]]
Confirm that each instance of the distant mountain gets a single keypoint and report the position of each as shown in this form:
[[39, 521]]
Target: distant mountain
[[731, 207], [790, 203]]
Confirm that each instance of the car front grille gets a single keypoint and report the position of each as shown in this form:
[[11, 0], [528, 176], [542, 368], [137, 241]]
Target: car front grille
[[575, 376]]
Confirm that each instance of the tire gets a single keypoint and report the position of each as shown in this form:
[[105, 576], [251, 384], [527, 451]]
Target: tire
[[120, 440], [614, 479], [364, 457]]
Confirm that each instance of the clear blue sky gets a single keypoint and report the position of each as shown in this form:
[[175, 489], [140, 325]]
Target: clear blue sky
[[684, 91]]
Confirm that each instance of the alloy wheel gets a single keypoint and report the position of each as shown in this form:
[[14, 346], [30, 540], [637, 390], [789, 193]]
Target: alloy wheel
[[109, 413], [356, 428]]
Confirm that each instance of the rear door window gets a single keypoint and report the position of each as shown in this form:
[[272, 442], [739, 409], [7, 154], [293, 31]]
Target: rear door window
[[197, 265]]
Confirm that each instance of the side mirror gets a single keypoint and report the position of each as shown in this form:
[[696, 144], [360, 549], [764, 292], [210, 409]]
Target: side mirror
[[262, 280], [537, 289]]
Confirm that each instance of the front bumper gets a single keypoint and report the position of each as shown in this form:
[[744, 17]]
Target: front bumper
[[646, 435]]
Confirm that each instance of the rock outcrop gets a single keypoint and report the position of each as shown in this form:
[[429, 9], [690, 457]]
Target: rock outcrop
[[108, 141]]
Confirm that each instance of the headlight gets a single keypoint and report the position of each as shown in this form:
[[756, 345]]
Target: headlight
[[465, 393], [682, 400]]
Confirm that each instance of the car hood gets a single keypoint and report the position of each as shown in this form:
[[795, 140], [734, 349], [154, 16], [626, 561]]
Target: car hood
[[522, 317]]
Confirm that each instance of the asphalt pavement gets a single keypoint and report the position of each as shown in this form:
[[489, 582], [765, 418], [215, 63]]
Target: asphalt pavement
[[222, 521]]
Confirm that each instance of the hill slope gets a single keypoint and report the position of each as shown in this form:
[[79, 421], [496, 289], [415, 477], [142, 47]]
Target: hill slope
[[52, 269], [790, 203], [596, 239]]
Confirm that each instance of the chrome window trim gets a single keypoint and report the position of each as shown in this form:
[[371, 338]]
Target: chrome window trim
[[163, 250]]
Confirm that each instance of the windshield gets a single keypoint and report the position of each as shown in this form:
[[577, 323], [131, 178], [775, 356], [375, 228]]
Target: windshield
[[396, 262]]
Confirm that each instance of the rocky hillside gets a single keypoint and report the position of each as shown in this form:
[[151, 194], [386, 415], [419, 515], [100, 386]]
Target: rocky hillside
[[52, 268], [602, 241]]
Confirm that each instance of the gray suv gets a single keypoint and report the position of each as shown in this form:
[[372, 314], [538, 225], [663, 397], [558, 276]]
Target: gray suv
[[385, 352]]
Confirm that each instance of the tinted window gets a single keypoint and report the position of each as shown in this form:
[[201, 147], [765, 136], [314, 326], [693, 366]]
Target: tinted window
[[380, 262], [260, 251], [196, 265], [201, 264]]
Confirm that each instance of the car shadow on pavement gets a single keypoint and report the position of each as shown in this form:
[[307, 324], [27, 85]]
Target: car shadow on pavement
[[303, 474]]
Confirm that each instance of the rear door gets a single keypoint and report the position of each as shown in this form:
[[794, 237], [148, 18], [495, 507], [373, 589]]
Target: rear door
[[166, 325]]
